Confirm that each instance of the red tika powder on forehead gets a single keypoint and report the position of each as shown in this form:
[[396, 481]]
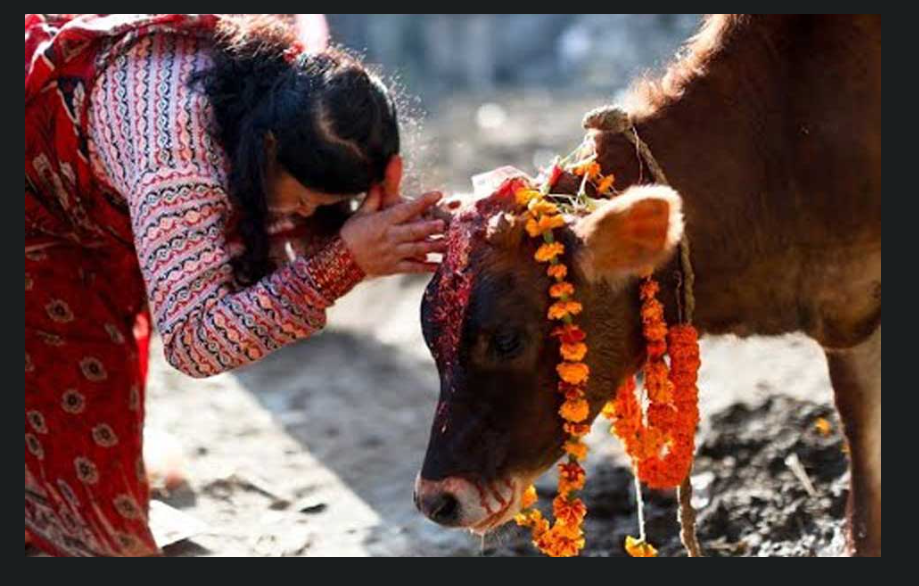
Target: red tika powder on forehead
[[454, 288], [455, 279]]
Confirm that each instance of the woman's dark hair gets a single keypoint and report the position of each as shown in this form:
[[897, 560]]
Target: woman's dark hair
[[335, 123]]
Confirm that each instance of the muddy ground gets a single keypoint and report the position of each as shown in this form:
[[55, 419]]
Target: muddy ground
[[314, 451]]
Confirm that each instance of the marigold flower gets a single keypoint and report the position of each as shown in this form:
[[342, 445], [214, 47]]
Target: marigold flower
[[823, 426], [656, 331], [569, 390], [606, 184], [571, 477], [639, 548], [573, 352], [577, 449], [569, 334], [569, 512], [575, 373], [529, 497], [561, 289], [573, 532], [652, 311], [657, 382], [589, 168], [523, 196], [557, 271], [557, 311], [537, 227], [555, 543], [532, 228], [548, 223], [574, 411], [541, 207], [534, 520], [548, 251], [609, 410], [575, 394], [648, 289], [576, 429], [655, 349], [562, 309]]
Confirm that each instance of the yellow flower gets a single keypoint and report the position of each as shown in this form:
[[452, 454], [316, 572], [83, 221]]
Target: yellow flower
[[529, 497], [823, 426], [574, 411], [574, 352], [606, 184], [562, 289], [576, 449], [574, 373], [557, 271], [609, 410], [541, 207], [557, 310], [639, 548], [536, 228], [551, 222], [560, 543], [533, 229], [589, 168], [535, 521], [549, 250], [562, 309], [524, 196]]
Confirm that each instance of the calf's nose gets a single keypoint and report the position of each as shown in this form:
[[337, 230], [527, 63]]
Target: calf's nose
[[437, 503]]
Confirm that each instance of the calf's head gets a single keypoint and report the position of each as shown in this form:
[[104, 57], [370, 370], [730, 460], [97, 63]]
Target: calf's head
[[496, 426]]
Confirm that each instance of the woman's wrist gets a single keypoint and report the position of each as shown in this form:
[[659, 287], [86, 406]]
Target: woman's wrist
[[333, 270]]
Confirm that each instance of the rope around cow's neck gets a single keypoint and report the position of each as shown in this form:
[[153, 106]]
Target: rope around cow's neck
[[616, 120]]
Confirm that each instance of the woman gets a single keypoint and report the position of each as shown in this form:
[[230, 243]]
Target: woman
[[162, 154]]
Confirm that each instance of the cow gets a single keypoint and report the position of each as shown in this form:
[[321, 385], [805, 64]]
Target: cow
[[769, 131]]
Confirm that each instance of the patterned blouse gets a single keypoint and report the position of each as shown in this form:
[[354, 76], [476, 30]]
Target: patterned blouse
[[150, 141]]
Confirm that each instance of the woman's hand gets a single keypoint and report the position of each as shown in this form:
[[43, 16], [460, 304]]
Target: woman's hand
[[396, 239]]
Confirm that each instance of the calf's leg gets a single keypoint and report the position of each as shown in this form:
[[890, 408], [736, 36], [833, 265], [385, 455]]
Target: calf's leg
[[856, 377]]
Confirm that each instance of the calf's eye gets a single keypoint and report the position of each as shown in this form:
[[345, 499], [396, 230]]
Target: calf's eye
[[507, 343]]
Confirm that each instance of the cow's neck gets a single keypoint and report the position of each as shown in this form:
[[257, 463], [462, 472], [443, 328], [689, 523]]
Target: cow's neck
[[722, 144], [710, 141]]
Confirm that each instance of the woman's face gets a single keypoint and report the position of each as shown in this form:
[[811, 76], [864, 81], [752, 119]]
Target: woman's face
[[287, 197]]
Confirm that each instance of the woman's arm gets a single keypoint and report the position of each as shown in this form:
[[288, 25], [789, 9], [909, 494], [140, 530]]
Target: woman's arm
[[150, 140]]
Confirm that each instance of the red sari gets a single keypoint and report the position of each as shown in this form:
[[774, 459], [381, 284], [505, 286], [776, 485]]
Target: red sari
[[85, 359], [87, 322]]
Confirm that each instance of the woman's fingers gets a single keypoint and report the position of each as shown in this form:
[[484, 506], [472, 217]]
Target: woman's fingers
[[406, 211], [417, 249], [418, 230], [413, 266], [392, 202]]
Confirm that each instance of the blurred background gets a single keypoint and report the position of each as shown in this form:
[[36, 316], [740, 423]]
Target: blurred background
[[508, 88], [314, 451]]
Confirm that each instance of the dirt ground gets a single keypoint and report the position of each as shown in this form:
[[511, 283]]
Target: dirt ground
[[314, 451]]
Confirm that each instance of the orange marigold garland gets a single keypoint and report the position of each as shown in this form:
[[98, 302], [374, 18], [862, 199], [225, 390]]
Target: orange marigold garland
[[661, 449], [660, 439], [564, 537]]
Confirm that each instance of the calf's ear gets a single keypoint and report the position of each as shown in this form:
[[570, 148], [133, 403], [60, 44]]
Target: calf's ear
[[631, 234]]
